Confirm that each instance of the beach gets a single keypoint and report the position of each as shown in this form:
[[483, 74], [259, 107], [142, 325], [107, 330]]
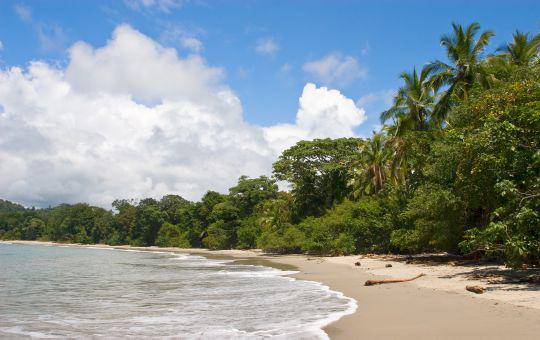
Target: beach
[[435, 306]]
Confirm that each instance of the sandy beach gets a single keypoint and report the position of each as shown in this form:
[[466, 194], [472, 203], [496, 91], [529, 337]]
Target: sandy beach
[[435, 306]]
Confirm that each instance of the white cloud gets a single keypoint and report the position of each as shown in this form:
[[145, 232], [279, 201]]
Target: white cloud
[[193, 44], [133, 64], [322, 113], [133, 119], [335, 69], [161, 5], [266, 46], [24, 12], [175, 34]]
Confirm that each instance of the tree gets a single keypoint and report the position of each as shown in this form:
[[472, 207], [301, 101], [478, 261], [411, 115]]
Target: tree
[[125, 218], [522, 50], [464, 52], [372, 169], [318, 172], [413, 103], [274, 219], [250, 192], [170, 235], [205, 207], [149, 220], [33, 229], [170, 204]]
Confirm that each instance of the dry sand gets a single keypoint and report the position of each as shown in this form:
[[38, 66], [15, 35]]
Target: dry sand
[[435, 306]]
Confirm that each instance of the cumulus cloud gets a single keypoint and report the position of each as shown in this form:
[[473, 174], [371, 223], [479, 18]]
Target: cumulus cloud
[[134, 119], [266, 46], [322, 113], [335, 69], [133, 64]]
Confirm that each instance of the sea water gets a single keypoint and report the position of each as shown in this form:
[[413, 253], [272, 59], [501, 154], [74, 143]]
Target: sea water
[[53, 291]]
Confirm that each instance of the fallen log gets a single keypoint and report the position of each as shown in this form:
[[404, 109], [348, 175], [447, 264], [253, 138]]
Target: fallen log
[[379, 282]]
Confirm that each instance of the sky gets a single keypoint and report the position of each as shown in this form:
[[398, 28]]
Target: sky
[[139, 98]]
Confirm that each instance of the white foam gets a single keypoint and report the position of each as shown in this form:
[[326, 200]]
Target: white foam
[[308, 323], [18, 330]]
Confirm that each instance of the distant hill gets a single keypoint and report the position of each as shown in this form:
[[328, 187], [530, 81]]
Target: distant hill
[[10, 207]]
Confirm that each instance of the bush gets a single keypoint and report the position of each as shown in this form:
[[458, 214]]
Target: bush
[[247, 233], [218, 236], [170, 235], [290, 241], [437, 216], [349, 227]]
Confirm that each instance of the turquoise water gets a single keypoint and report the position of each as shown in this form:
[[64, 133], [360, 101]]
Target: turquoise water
[[51, 291]]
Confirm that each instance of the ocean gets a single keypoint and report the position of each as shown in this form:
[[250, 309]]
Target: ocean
[[62, 291]]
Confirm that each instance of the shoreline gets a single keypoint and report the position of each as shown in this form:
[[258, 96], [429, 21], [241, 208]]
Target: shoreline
[[435, 306]]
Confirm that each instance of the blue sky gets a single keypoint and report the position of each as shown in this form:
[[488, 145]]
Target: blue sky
[[102, 100], [385, 37]]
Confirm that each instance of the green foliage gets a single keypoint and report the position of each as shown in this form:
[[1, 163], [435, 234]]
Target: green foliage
[[218, 236], [171, 235], [361, 222], [464, 50], [435, 214], [247, 233], [250, 192], [290, 240], [149, 220], [173, 205], [10, 207], [318, 172], [413, 104]]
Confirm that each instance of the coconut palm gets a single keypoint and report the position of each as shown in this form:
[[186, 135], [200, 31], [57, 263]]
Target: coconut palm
[[413, 103], [523, 50], [372, 171], [464, 52]]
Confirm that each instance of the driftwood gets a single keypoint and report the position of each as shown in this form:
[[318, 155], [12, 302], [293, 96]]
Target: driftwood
[[378, 282], [475, 289], [358, 264]]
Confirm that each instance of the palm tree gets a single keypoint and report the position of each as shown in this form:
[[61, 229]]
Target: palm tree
[[523, 50], [373, 168], [413, 103], [464, 52]]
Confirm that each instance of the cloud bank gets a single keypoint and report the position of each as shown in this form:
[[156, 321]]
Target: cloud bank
[[134, 119]]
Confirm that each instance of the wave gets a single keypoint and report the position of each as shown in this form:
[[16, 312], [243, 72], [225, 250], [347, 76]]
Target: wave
[[169, 295]]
